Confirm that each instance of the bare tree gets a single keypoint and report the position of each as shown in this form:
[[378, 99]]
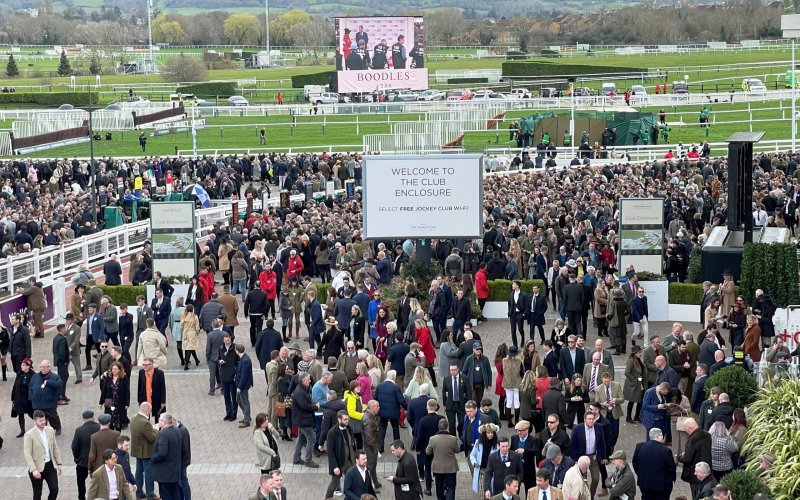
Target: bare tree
[[183, 69], [315, 36]]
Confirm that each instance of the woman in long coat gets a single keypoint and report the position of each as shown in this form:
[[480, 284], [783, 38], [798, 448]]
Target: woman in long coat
[[190, 327], [618, 315], [633, 387]]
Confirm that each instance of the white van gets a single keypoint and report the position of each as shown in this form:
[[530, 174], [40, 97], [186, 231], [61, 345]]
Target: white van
[[608, 88]]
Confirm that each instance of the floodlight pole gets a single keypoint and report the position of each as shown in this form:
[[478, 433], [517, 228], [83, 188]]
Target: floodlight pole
[[266, 30], [152, 65], [92, 171]]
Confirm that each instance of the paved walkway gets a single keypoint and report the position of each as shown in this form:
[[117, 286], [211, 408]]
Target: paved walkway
[[222, 453]]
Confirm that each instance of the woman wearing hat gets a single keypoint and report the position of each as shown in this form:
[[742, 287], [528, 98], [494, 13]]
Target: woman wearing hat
[[737, 319], [20, 401], [618, 314], [634, 384], [727, 289], [332, 341], [512, 378], [382, 333], [486, 444]]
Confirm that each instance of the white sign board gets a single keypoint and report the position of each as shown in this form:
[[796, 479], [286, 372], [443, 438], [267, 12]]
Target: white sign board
[[641, 232], [172, 232], [433, 196]]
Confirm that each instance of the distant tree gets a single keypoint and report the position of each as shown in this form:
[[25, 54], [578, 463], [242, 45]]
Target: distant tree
[[11, 66], [283, 28], [183, 69], [94, 66], [168, 30], [314, 36], [241, 29], [523, 44], [486, 37], [64, 68]]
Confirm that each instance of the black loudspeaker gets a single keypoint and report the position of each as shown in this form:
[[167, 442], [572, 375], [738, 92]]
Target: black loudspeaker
[[740, 182]]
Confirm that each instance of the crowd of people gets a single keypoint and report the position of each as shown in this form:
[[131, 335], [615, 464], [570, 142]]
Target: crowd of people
[[370, 363]]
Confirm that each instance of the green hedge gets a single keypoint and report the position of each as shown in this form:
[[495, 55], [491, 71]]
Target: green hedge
[[512, 55], [123, 294], [209, 89], [771, 267], [546, 68], [50, 99], [499, 289], [550, 53], [461, 81], [300, 81]]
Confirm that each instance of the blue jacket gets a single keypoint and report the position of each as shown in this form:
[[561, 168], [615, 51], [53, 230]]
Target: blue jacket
[[654, 466], [579, 442], [651, 415], [124, 460], [417, 408], [317, 324], [161, 314], [638, 309], [97, 327], [44, 398], [390, 398], [244, 373], [372, 315], [384, 269], [166, 457]]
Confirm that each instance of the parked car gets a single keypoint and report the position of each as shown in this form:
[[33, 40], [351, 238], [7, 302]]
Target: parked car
[[754, 86], [548, 92], [363, 98], [328, 98], [431, 95], [238, 100], [521, 93], [460, 95], [405, 96], [608, 88], [638, 91], [680, 87], [583, 92]]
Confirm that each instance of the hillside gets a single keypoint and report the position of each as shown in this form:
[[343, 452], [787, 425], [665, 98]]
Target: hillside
[[487, 8]]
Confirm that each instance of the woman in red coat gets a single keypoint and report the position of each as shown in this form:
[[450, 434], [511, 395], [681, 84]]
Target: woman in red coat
[[207, 282], [482, 287], [268, 282], [422, 335]]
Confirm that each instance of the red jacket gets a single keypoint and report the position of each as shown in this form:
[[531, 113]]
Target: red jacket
[[608, 256], [423, 338], [481, 284], [206, 281], [268, 281], [295, 267]]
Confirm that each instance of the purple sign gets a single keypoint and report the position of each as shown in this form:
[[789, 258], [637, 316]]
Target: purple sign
[[18, 304]]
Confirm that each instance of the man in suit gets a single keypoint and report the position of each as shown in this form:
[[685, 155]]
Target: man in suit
[[20, 344], [143, 442], [588, 439], [424, 430], [649, 356], [81, 443], [228, 360], [606, 357], [243, 381], [696, 450], [655, 467], [278, 490], [267, 340], [317, 324], [162, 309], [442, 451], [101, 487], [708, 298], [61, 359], [536, 310], [573, 298], [42, 457], [255, 307], [510, 489], [610, 397], [143, 313], [654, 409], [571, 360], [543, 489], [500, 465], [723, 412], [549, 358], [152, 388], [517, 310], [110, 320], [340, 444], [112, 271], [104, 439], [74, 343], [161, 284], [405, 478], [166, 460], [37, 303], [391, 400], [455, 391], [358, 479], [213, 344], [699, 387], [95, 333], [592, 374], [525, 446], [342, 311]]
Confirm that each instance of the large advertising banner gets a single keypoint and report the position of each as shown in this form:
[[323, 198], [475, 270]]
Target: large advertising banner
[[435, 196], [641, 234], [374, 53], [172, 232]]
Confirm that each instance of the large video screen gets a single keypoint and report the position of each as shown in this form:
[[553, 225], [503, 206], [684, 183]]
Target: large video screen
[[374, 53]]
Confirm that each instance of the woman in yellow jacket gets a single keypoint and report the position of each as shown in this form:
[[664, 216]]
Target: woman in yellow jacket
[[355, 409]]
